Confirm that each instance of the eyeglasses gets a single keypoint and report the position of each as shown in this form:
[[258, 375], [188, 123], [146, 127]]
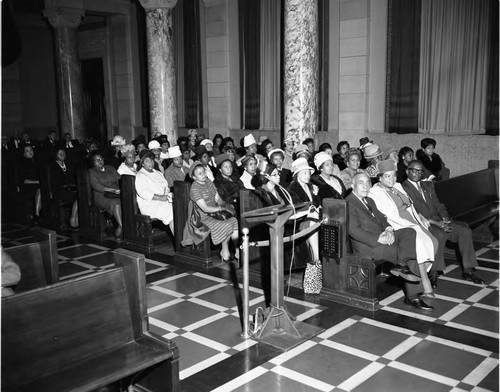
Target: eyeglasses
[[416, 170]]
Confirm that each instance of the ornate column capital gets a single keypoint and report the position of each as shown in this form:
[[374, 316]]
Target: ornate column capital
[[155, 4], [64, 17]]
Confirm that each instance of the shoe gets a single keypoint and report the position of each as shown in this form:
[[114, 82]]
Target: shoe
[[404, 272], [417, 303], [434, 280], [118, 234], [228, 260], [472, 278], [429, 294]]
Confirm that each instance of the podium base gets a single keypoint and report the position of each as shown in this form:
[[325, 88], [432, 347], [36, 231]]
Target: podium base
[[280, 332]]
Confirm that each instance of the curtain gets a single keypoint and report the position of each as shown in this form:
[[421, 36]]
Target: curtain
[[323, 54], [492, 112], [403, 59], [270, 38], [454, 66], [249, 20]]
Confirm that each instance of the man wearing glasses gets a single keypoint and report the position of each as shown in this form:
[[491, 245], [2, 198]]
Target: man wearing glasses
[[426, 202]]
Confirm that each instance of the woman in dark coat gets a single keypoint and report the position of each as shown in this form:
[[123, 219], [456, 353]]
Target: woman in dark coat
[[28, 177], [330, 186], [433, 164], [226, 180], [63, 184]]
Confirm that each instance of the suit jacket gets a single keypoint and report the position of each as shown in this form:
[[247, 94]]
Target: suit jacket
[[299, 195], [430, 208], [363, 227], [74, 142]]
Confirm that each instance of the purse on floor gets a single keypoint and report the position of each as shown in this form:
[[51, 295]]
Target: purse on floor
[[313, 278]]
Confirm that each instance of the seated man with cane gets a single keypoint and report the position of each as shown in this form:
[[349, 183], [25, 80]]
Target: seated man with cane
[[372, 236]]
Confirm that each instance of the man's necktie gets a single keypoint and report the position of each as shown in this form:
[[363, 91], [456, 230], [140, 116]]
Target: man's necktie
[[420, 190]]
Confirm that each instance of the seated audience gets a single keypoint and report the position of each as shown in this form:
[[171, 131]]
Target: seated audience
[[434, 166], [226, 180], [28, 182], [153, 192], [266, 146], [266, 185], [309, 142], [207, 204], [250, 145], [48, 147], [140, 144], [353, 160], [373, 156], [176, 171], [288, 147], [226, 142], [192, 135], [394, 203], [371, 235], [405, 157], [106, 190], [427, 204], [340, 158], [389, 152], [113, 157], [155, 148], [277, 157], [63, 184], [164, 146], [216, 142], [363, 143], [186, 157], [302, 190], [11, 274], [207, 143], [249, 164], [68, 143], [203, 156], [330, 186], [326, 147], [128, 166]]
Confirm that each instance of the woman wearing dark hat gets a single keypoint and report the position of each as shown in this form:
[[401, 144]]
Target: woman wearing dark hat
[[249, 164], [266, 185], [330, 186], [395, 204], [433, 164], [207, 201], [225, 180], [153, 193]]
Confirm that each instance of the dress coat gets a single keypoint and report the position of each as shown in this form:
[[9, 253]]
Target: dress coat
[[426, 243], [432, 208], [299, 195], [326, 190], [148, 184]]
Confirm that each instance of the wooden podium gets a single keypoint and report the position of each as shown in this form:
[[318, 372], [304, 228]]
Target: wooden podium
[[279, 330]]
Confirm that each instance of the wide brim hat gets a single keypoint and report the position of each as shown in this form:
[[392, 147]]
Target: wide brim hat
[[386, 166], [247, 158], [154, 145], [219, 159], [301, 164], [174, 152], [320, 158], [206, 141], [387, 150], [248, 140], [146, 154], [372, 151], [193, 166], [276, 151]]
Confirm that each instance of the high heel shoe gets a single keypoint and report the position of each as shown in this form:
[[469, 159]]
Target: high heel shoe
[[224, 260]]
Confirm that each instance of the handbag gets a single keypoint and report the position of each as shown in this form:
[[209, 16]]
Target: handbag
[[313, 278], [221, 215], [199, 228]]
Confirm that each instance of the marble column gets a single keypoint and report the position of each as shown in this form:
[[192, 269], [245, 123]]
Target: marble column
[[301, 69], [161, 67], [68, 71]]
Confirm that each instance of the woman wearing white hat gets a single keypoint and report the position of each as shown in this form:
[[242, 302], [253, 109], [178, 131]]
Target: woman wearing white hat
[[176, 171], [302, 190], [128, 166], [330, 186]]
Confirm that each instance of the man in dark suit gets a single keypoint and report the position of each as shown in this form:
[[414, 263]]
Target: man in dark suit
[[371, 235], [426, 202], [68, 143]]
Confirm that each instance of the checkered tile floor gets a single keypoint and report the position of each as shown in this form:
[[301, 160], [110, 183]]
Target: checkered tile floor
[[453, 348]]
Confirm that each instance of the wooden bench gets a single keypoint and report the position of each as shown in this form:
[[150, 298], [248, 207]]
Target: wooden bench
[[86, 333], [470, 198], [205, 254], [37, 260], [347, 278], [137, 228], [93, 220]]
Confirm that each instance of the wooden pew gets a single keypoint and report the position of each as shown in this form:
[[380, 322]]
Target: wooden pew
[[92, 219], [137, 228], [86, 333], [37, 260], [205, 254], [471, 198], [53, 211], [347, 278]]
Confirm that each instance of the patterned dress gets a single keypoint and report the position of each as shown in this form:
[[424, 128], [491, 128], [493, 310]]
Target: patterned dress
[[220, 230]]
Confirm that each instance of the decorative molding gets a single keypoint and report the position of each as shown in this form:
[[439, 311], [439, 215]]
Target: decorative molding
[[93, 42], [64, 17], [155, 4]]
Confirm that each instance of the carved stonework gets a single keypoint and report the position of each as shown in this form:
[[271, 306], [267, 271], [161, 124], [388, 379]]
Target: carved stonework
[[59, 17], [155, 4]]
